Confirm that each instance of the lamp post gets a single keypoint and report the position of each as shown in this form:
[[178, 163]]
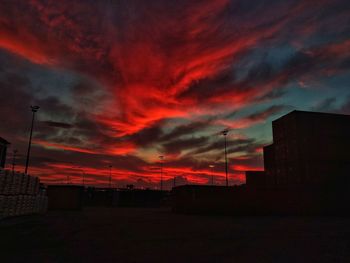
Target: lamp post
[[225, 132], [212, 174], [110, 176], [34, 110], [161, 157]]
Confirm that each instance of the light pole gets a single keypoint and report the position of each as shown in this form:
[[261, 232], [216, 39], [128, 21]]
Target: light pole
[[225, 132], [110, 176], [34, 110], [212, 174], [161, 157]]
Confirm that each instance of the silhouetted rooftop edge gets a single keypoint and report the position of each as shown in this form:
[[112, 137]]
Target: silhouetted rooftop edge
[[299, 112], [3, 141]]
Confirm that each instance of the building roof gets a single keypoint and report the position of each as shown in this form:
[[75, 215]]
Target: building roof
[[3, 141], [314, 114]]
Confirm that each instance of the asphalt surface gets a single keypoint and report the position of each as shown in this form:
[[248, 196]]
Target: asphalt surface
[[158, 235]]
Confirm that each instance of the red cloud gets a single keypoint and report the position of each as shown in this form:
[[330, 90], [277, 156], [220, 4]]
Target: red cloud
[[155, 60]]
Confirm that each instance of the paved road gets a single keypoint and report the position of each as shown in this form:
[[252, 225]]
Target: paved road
[[157, 235]]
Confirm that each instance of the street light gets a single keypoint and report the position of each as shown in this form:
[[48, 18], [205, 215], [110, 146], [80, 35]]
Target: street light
[[212, 174], [34, 110], [161, 157], [225, 132]]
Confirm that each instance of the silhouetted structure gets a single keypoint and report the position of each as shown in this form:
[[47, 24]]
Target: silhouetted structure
[[3, 150], [307, 172], [309, 149], [20, 194], [65, 197], [255, 178], [128, 197]]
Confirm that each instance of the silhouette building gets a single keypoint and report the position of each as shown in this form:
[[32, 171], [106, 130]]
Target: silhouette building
[[255, 178], [307, 170], [3, 150], [309, 148]]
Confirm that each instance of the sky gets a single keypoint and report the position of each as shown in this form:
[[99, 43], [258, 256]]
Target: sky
[[121, 82]]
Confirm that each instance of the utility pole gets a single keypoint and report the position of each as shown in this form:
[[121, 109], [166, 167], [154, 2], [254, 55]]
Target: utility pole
[[34, 110], [225, 132]]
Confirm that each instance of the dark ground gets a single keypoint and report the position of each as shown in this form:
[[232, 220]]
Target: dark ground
[[157, 235]]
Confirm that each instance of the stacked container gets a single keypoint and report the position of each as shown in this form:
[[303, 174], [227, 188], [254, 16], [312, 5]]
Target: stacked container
[[20, 194]]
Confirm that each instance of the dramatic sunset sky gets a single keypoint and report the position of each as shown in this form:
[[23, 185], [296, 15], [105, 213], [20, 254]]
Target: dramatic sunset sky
[[120, 82]]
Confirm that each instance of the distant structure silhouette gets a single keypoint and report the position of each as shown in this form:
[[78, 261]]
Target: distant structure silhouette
[[3, 151], [309, 149], [306, 172]]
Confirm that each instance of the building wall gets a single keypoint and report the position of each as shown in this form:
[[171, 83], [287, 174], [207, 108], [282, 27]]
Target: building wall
[[255, 178], [269, 164], [309, 148]]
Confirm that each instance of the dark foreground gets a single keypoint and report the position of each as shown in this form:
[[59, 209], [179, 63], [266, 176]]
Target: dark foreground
[[157, 235]]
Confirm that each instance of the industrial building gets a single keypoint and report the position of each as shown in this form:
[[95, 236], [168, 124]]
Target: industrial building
[[309, 149], [307, 170], [255, 178]]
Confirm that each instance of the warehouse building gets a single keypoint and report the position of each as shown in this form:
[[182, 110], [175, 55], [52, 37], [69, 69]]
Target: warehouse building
[[255, 178], [309, 148], [307, 170]]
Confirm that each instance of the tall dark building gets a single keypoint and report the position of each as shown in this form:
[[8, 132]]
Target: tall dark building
[[307, 172], [3, 149], [309, 148]]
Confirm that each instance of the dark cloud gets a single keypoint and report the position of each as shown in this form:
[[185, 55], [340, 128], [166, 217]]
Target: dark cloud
[[271, 95], [177, 146], [233, 146], [186, 129], [326, 105], [148, 136], [266, 113], [57, 124]]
